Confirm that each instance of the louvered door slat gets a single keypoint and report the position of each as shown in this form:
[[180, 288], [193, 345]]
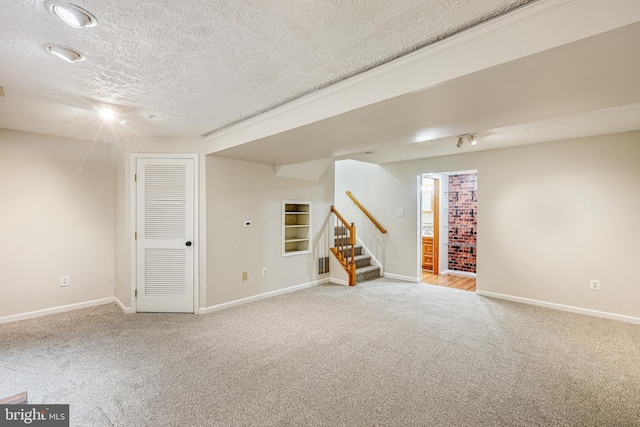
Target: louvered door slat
[[165, 272], [165, 201]]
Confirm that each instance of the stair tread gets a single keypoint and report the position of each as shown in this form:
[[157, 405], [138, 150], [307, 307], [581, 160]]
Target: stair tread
[[367, 268]]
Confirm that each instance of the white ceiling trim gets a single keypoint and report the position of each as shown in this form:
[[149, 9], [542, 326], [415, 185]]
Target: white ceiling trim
[[533, 28]]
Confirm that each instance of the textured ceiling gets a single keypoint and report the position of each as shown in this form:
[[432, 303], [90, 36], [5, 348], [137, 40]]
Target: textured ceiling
[[584, 88], [192, 67]]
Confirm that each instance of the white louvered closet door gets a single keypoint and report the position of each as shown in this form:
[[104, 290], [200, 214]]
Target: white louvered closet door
[[165, 232]]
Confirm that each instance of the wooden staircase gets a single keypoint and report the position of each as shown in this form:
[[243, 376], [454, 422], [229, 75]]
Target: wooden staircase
[[358, 265], [364, 268]]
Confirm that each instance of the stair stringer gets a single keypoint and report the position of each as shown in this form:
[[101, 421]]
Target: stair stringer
[[337, 273]]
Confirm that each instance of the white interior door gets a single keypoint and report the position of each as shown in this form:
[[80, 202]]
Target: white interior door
[[165, 231]]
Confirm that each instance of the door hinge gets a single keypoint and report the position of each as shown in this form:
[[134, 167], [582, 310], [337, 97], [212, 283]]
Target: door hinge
[[135, 177], [136, 293], [135, 235]]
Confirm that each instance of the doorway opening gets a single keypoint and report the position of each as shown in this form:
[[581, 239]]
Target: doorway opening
[[448, 228]]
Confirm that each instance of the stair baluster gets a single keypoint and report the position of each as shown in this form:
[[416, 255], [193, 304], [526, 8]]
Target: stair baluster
[[345, 245]]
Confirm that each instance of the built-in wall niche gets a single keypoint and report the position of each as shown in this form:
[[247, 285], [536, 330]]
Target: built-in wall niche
[[296, 227]]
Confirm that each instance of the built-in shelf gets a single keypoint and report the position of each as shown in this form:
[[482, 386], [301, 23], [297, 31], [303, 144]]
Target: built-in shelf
[[296, 227]]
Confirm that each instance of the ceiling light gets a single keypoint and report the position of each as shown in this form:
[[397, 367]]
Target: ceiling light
[[425, 135], [108, 113], [460, 142], [472, 140], [71, 14], [63, 52]]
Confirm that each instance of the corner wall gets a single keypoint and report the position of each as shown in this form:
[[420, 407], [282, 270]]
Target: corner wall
[[551, 216], [57, 218], [238, 191]]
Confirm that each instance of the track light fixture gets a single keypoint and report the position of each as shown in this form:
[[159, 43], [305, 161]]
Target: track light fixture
[[470, 138]]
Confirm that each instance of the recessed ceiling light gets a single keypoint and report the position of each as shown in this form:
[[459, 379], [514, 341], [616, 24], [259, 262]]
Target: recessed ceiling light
[[71, 14], [108, 113], [63, 52]]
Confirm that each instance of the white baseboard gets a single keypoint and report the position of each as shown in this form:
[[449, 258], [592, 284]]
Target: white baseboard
[[54, 310], [404, 278], [339, 281], [572, 309], [258, 297], [125, 309]]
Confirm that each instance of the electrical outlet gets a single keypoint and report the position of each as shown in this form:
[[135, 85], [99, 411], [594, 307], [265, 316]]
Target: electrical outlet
[[64, 281], [265, 271], [594, 285], [244, 275]]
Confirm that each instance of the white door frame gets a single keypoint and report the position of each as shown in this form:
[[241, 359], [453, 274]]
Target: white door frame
[[133, 223], [442, 232]]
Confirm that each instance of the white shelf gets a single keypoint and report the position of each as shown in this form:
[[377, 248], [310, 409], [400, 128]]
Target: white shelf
[[296, 227]]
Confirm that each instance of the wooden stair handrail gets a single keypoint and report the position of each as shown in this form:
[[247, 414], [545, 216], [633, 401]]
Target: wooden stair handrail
[[350, 267], [340, 217], [366, 212]]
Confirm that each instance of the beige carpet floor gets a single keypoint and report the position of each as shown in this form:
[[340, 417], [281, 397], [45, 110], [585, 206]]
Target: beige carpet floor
[[383, 353]]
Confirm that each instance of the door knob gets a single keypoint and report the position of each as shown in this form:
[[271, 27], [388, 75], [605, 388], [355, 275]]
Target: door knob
[[188, 243]]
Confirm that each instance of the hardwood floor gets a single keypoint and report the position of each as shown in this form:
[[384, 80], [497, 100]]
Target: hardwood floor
[[450, 281]]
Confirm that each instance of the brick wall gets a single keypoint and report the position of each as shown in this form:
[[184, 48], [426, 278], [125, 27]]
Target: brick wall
[[463, 211]]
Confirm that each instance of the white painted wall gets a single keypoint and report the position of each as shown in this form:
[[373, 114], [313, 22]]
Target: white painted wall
[[356, 177], [56, 218], [551, 216], [382, 194], [238, 191]]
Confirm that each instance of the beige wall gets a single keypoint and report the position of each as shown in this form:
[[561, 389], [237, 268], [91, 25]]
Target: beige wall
[[238, 191], [551, 217], [56, 218]]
